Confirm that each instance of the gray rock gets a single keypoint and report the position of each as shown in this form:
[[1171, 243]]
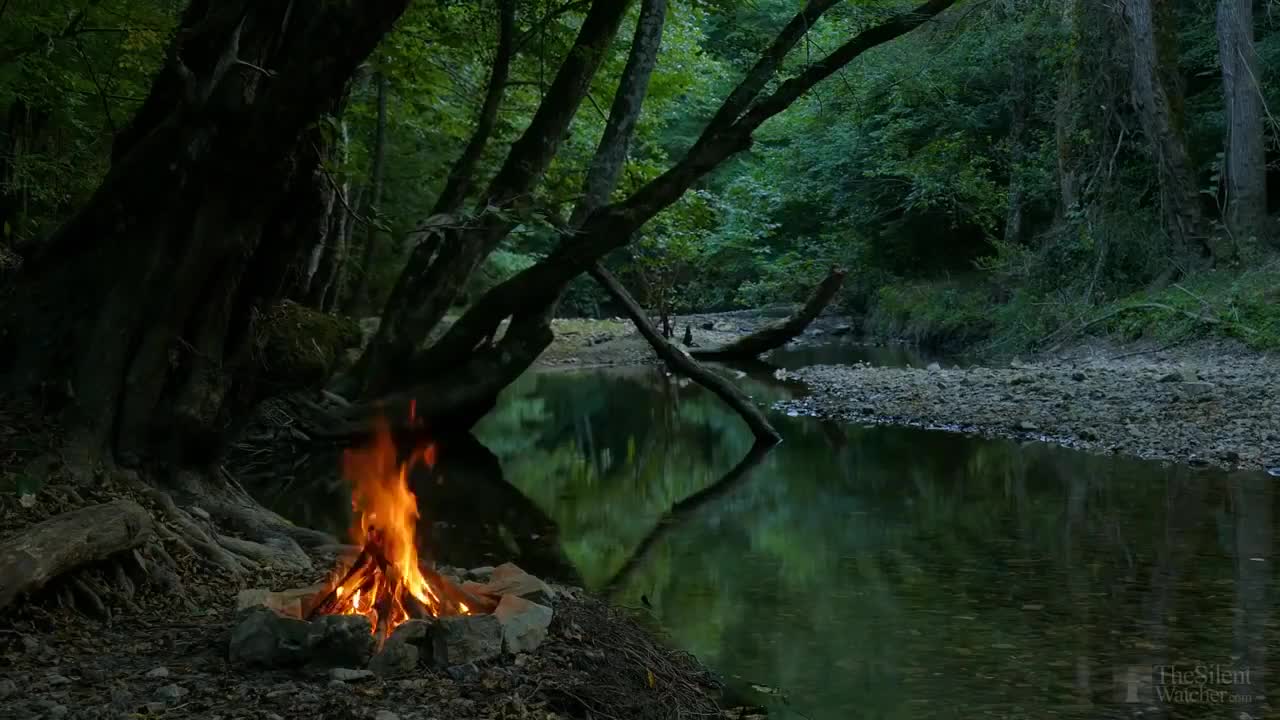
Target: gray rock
[[8, 688], [842, 330], [1021, 380], [160, 672], [58, 711], [348, 675], [1194, 390], [1175, 376], [724, 326], [402, 650], [708, 325], [58, 679], [465, 639], [155, 708], [524, 624], [933, 367], [480, 574], [264, 638], [172, 693], [1027, 426], [385, 715], [340, 641]]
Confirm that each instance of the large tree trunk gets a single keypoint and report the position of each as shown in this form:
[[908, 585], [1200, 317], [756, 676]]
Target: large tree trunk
[[361, 298], [1158, 95], [1245, 171], [142, 306]]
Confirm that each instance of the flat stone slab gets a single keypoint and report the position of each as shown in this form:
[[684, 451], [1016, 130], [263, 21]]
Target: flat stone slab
[[296, 603], [509, 579]]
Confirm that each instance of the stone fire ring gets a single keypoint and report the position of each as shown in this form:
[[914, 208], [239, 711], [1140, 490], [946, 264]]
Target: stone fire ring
[[270, 630]]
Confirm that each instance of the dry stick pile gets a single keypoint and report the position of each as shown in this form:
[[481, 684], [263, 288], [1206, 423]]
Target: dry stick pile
[[636, 677]]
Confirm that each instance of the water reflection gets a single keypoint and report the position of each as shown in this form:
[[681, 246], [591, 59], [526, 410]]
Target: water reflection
[[897, 573]]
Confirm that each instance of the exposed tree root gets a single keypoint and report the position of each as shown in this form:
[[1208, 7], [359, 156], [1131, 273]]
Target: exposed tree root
[[47, 550]]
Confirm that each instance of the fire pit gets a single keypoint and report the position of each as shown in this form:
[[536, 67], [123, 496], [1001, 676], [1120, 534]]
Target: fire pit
[[384, 606]]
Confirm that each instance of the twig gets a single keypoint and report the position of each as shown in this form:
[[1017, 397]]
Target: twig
[[265, 72], [342, 196]]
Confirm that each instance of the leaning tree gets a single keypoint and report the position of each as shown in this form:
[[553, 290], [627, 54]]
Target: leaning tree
[[139, 316], [456, 379]]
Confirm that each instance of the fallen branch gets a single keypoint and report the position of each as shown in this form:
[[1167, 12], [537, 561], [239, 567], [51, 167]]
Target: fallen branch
[[46, 550], [680, 361], [776, 335]]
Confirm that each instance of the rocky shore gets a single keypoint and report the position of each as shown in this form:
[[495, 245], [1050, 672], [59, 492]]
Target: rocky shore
[[1216, 407]]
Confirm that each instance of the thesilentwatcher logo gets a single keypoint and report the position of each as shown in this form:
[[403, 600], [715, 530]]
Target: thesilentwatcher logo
[[1200, 684]]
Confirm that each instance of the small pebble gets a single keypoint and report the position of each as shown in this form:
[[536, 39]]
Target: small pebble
[[58, 711], [160, 672], [8, 688], [386, 715], [172, 692], [58, 679], [349, 675]]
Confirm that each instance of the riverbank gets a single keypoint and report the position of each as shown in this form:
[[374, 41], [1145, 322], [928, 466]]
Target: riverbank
[[1214, 403], [133, 636]]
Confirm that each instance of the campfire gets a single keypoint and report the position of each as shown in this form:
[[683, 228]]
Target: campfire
[[387, 607], [388, 583]]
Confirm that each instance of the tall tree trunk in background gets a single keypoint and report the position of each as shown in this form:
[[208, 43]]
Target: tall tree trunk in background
[[1019, 108], [462, 174], [1158, 95], [1065, 110], [174, 255], [328, 255], [361, 298], [1245, 171]]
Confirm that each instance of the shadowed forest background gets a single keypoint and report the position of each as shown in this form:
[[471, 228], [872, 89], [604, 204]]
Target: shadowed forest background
[[987, 180]]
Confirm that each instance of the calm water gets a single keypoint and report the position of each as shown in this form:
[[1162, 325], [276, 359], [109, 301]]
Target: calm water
[[895, 573]]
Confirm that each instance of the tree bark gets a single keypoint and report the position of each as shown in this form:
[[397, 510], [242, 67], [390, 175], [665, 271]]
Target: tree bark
[[778, 334], [42, 552], [681, 362], [362, 298], [1157, 93], [171, 259], [1245, 171]]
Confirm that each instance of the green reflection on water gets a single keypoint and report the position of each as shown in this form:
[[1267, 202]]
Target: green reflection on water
[[895, 573]]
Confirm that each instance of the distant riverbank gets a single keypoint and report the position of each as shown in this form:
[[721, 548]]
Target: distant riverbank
[[1211, 404]]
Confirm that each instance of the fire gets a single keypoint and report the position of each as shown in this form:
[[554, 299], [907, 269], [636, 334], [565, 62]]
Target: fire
[[387, 583]]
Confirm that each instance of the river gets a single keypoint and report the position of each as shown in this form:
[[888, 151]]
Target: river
[[881, 572], [869, 572]]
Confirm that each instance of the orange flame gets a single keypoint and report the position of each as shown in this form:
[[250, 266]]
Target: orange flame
[[387, 583]]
